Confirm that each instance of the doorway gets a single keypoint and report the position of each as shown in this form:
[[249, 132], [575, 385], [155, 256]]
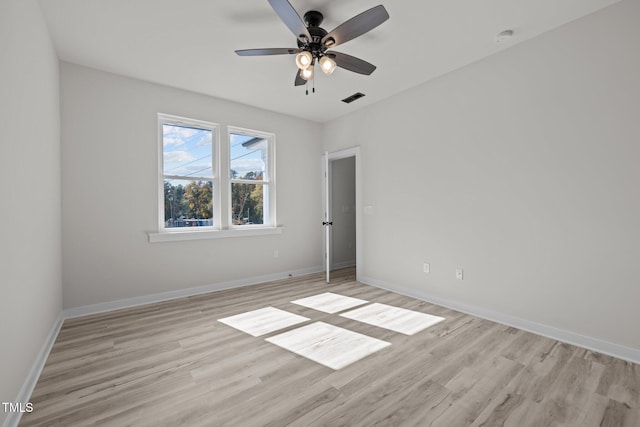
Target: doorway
[[341, 210]]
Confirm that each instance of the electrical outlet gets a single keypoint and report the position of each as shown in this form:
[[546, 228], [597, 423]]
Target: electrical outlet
[[425, 267], [459, 274]]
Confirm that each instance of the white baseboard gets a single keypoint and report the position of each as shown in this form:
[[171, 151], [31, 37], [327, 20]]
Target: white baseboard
[[590, 343], [166, 296], [24, 395], [343, 264]]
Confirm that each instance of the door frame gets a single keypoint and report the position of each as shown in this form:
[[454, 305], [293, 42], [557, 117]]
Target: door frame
[[326, 200]]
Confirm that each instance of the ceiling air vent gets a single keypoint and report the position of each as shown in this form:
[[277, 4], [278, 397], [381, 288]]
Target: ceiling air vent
[[350, 99]]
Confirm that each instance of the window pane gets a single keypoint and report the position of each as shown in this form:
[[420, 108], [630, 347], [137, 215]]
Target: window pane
[[248, 156], [247, 203], [187, 151], [188, 203]]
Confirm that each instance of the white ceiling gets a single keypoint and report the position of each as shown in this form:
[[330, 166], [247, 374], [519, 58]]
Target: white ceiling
[[189, 44]]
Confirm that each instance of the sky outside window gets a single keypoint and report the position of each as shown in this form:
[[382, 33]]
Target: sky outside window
[[187, 151], [247, 154]]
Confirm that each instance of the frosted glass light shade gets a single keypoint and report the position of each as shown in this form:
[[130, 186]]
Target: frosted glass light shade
[[304, 60], [307, 73], [327, 65]]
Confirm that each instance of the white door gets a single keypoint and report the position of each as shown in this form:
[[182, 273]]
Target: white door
[[327, 223]]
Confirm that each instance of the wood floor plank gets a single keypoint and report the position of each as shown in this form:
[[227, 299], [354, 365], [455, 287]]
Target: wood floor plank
[[172, 363]]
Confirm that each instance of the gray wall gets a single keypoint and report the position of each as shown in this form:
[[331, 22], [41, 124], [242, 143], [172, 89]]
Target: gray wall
[[109, 182], [30, 286], [343, 212], [522, 169]]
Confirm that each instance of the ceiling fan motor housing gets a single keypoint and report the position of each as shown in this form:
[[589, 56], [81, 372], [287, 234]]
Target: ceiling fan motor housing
[[313, 19]]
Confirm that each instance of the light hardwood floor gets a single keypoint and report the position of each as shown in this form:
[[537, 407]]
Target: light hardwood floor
[[174, 364]]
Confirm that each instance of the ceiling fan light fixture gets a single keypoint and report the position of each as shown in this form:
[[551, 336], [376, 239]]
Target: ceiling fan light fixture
[[304, 60], [307, 73], [314, 41], [327, 65]]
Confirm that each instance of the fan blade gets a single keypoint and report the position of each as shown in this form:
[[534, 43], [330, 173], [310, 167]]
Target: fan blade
[[291, 19], [356, 26], [267, 51], [299, 80], [351, 63]]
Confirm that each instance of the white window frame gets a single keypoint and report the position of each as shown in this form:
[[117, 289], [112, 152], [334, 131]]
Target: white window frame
[[268, 181], [167, 119], [221, 180]]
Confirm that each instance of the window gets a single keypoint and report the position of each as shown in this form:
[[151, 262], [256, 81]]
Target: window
[[251, 178], [197, 195], [189, 175]]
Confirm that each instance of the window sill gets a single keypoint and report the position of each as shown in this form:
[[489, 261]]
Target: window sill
[[176, 236]]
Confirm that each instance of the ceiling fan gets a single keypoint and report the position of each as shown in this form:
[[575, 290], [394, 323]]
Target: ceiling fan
[[314, 42]]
